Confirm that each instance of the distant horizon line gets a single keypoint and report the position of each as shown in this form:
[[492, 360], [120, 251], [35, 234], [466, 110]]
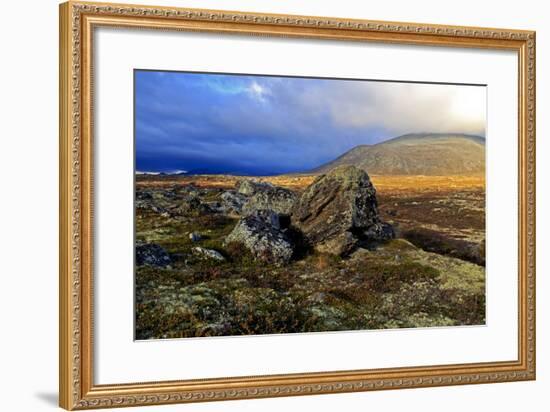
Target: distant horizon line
[[175, 172]]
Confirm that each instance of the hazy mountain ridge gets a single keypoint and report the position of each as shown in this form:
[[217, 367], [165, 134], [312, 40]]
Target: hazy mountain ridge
[[417, 154]]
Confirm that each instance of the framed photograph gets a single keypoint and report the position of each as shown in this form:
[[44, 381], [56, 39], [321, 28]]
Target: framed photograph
[[257, 205]]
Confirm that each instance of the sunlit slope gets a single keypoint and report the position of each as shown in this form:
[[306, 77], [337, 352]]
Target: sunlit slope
[[417, 154]]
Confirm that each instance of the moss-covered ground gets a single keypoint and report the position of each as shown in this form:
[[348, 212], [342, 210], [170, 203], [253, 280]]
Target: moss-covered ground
[[401, 284]]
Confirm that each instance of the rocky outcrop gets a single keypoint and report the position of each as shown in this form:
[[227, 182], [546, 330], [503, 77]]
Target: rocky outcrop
[[172, 204], [339, 210], [150, 201], [261, 233], [192, 204], [151, 254]]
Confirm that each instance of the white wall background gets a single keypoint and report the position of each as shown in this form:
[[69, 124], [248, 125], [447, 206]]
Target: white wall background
[[28, 204]]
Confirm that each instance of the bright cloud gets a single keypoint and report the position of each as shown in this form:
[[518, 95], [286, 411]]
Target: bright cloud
[[401, 108], [258, 91]]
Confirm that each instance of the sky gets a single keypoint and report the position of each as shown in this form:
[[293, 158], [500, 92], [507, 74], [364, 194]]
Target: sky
[[261, 125]]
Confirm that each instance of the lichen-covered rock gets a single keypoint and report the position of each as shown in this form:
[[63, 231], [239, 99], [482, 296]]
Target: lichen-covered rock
[[191, 205], [143, 195], [233, 201], [251, 196], [149, 205], [214, 207], [338, 210], [208, 253], [150, 201], [261, 233], [341, 244], [249, 187], [269, 197], [151, 254]]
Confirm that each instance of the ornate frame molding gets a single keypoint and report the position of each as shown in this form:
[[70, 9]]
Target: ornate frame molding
[[77, 21]]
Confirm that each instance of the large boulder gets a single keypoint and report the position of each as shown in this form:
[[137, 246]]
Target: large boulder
[[261, 233], [339, 210], [251, 196], [233, 201], [269, 197], [249, 187]]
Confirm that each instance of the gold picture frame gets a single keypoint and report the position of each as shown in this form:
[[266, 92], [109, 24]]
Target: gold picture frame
[[77, 23]]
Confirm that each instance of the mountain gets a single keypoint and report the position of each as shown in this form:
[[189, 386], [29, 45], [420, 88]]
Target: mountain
[[417, 154], [170, 173]]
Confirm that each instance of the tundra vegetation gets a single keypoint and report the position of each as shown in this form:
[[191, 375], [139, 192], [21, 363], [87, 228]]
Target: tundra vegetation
[[337, 250]]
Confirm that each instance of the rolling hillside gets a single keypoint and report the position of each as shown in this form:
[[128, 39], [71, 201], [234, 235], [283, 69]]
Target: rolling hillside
[[428, 154]]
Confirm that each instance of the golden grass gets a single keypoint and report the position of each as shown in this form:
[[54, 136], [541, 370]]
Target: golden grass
[[385, 184], [394, 183], [408, 183]]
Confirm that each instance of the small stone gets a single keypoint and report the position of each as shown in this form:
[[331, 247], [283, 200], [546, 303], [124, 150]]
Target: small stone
[[194, 237], [151, 254], [208, 253], [380, 231]]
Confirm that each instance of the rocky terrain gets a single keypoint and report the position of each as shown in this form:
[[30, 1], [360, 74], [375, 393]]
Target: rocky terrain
[[221, 255]]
